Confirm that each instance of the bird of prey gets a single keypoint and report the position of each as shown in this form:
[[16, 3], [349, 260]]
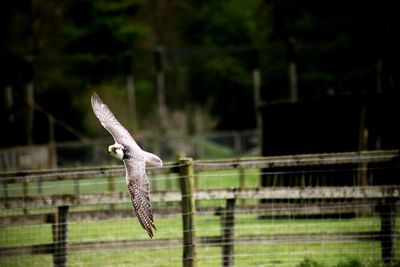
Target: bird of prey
[[134, 158]]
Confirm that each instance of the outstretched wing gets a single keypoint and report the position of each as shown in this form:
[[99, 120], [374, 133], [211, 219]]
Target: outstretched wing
[[135, 164], [109, 122], [138, 186]]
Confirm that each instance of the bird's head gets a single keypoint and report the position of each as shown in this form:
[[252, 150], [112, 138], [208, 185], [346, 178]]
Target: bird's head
[[117, 151]]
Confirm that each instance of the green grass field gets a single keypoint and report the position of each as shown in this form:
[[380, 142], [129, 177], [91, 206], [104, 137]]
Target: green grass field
[[289, 254], [266, 255], [221, 179], [171, 227]]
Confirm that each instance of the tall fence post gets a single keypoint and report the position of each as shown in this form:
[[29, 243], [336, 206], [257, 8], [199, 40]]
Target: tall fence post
[[257, 95], [227, 233], [162, 108], [60, 237], [188, 211]]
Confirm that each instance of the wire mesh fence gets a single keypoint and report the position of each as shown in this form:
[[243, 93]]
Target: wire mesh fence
[[275, 211]]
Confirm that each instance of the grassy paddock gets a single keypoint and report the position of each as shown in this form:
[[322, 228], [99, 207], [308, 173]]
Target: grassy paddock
[[329, 254], [216, 179], [286, 254], [171, 227]]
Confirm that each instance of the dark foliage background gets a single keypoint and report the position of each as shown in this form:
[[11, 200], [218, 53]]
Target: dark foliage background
[[67, 49]]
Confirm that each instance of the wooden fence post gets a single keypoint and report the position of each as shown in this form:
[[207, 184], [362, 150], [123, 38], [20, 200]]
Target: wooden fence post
[[112, 188], [362, 173], [292, 70], [60, 237], [25, 189], [162, 108], [388, 230], [188, 211], [242, 183], [130, 86], [256, 73], [40, 186], [77, 190], [52, 141], [227, 233]]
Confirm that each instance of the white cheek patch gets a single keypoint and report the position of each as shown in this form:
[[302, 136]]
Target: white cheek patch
[[120, 153]]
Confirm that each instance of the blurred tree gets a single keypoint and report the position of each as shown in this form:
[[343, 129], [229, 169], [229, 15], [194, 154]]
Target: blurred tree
[[63, 47], [71, 47], [99, 34], [339, 44], [220, 73], [31, 36]]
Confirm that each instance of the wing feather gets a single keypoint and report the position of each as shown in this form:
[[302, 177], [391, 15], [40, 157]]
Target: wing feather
[[109, 122], [139, 190]]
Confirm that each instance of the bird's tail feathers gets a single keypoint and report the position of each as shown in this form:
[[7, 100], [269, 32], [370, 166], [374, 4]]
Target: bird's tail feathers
[[153, 159]]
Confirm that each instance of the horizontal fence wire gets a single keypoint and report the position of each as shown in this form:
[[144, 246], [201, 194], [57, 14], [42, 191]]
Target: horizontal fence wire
[[273, 211]]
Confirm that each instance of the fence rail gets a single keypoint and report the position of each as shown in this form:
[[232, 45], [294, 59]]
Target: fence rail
[[319, 199], [276, 193], [298, 160], [209, 165]]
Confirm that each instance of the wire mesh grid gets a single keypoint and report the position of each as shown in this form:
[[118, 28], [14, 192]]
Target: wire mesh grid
[[47, 220]]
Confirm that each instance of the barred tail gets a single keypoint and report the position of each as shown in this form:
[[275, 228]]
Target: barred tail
[[153, 159]]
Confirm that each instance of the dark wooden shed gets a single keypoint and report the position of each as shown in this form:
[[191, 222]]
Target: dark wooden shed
[[332, 124], [327, 125]]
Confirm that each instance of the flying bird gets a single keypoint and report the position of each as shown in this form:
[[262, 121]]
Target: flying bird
[[134, 158]]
